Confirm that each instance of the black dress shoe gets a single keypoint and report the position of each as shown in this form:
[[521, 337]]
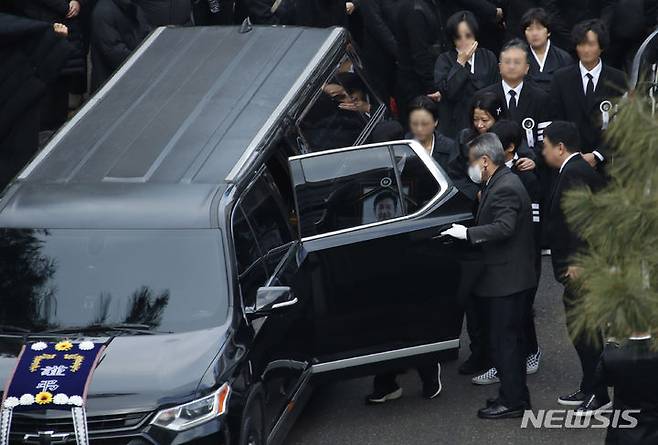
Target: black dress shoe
[[471, 366], [499, 411], [593, 405]]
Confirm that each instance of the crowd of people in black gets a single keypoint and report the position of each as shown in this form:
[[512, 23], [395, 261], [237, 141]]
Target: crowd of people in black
[[499, 92]]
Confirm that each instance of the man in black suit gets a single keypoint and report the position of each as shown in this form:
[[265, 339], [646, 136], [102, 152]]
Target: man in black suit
[[561, 143], [503, 228], [582, 93], [523, 102]]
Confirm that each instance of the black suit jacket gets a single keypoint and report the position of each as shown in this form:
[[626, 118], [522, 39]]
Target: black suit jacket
[[568, 102], [632, 369], [556, 58], [563, 241], [457, 86], [531, 103], [504, 229]]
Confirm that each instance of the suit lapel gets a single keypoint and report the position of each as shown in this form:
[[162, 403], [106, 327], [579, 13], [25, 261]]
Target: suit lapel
[[558, 180], [580, 92], [497, 175], [524, 101]]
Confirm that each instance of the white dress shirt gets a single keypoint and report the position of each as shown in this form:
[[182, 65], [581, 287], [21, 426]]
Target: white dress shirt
[[567, 160], [507, 89], [543, 61], [472, 62], [510, 163], [595, 72]]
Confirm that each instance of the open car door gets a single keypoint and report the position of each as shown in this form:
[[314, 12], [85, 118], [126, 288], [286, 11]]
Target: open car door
[[385, 284]]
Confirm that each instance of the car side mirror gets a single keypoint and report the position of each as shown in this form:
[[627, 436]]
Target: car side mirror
[[270, 299]]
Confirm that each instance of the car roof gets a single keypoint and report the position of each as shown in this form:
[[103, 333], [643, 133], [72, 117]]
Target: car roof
[[167, 132]]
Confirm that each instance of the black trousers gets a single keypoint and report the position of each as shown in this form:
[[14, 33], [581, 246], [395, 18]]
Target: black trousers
[[508, 345], [588, 352], [386, 382]]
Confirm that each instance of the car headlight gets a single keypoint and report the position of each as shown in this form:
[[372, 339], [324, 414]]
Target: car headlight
[[188, 415]]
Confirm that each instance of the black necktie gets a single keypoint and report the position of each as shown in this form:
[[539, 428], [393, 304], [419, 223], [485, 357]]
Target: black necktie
[[468, 67], [512, 104], [589, 91]]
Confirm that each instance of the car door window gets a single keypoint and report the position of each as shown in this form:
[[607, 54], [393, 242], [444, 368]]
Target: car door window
[[251, 268], [265, 214], [355, 187], [340, 112]]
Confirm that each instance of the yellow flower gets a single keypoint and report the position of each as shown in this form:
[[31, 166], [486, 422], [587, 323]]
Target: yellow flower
[[64, 345], [43, 398]]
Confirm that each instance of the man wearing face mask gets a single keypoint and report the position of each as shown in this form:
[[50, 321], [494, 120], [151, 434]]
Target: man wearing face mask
[[503, 228]]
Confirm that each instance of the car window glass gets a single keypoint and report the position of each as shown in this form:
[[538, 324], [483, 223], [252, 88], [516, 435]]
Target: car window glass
[[340, 112], [417, 183], [347, 189], [265, 214], [246, 248]]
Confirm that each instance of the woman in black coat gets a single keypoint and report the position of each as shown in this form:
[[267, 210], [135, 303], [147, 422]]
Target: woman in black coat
[[119, 26], [546, 58], [424, 126], [462, 71]]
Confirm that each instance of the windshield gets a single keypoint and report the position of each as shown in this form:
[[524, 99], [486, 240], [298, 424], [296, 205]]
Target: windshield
[[170, 280]]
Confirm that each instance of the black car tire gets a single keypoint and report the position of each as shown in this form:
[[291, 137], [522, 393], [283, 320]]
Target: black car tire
[[251, 427]]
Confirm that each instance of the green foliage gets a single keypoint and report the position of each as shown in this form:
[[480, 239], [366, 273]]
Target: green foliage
[[618, 283]]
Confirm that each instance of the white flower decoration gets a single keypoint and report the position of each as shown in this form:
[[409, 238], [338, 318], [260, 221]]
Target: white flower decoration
[[39, 346], [75, 400], [11, 402], [61, 399], [27, 399], [86, 345]]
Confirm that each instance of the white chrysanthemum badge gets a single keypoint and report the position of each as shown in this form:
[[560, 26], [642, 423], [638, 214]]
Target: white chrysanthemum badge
[[75, 400], [27, 399], [39, 346], [61, 399], [11, 402], [86, 345]]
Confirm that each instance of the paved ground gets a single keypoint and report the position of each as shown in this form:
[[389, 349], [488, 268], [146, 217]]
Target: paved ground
[[336, 414]]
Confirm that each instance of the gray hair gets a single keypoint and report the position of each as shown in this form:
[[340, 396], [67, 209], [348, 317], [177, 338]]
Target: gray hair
[[488, 145]]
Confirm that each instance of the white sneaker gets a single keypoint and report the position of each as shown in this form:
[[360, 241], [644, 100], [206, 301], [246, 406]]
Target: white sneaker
[[532, 362], [488, 378]]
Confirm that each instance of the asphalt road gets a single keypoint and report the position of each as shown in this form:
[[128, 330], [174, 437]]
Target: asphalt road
[[336, 414]]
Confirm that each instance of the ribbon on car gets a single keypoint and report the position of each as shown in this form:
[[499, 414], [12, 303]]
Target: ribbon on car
[[51, 375]]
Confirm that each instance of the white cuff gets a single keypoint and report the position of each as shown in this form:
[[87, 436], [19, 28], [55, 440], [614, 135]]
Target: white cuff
[[598, 155]]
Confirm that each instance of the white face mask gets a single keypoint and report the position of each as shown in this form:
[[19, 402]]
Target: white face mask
[[475, 173]]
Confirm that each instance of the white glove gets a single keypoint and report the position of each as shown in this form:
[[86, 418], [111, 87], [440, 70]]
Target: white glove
[[456, 231]]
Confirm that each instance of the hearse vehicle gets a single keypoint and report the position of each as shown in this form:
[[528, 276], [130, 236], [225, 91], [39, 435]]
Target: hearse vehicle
[[217, 219]]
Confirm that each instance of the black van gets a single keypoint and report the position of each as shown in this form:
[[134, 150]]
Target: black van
[[200, 215]]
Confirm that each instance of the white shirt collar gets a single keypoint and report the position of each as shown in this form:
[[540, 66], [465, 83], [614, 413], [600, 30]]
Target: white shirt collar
[[567, 160], [507, 89], [542, 62], [595, 72], [472, 62], [510, 163], [433, 141]]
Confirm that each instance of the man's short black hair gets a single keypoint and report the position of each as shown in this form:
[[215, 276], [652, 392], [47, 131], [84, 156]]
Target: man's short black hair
[[381, 196], [452, 25], [518, 44], [509, 132], [424, 103], [563, 132], [535, 15], [579, 33]]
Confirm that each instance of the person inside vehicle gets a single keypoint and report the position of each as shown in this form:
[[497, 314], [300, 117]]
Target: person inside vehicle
[[385, 206]]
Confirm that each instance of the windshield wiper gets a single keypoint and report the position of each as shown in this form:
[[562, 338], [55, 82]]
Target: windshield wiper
[[135, 328]]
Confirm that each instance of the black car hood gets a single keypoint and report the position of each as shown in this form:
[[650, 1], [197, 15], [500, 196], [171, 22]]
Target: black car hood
[[140, 373]]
